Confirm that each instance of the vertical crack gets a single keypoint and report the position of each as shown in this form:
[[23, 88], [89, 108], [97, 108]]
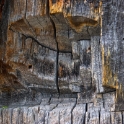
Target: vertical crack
[[72, 111], [86, 113], [122, 117], [84, 118], [103, 102], [57, 48], [86, 107], [1, 114], [11, 115], [99, 117]]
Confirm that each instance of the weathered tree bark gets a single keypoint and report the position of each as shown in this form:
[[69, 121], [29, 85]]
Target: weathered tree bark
[[61, 61]]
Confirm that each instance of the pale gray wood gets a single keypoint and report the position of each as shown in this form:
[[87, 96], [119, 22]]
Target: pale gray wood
[[109, 101], [116, 118], [79, 114], [92, 117], [30, 116], [15, 116], [105, 117], [96, 63]]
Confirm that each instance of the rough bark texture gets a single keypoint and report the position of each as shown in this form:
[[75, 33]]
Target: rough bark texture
[[61, 61]]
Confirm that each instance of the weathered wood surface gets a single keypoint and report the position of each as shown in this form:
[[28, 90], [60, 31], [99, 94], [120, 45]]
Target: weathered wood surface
[[61, 62], [96, 63], [112, 47], [60, 111], [37, 36]]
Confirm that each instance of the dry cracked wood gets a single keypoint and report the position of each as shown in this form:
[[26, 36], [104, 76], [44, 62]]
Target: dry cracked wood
[[61, 61]]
